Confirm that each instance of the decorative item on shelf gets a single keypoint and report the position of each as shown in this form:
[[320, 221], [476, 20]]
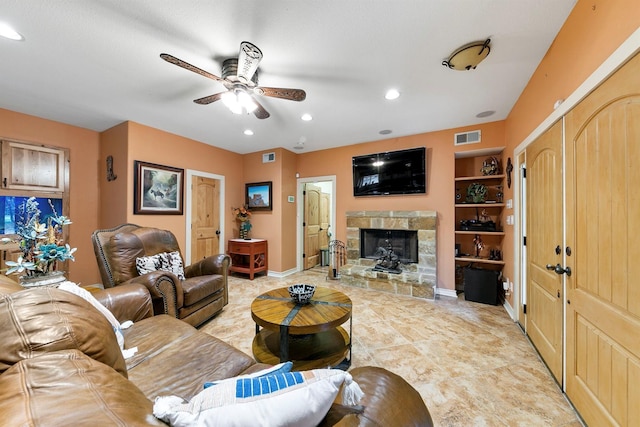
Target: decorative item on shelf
[[499, 193], [243, 216], [491, 166], [42, 245], [476, 193], [479, 244], [477, 225], [495, 254], [458, 196], [301, 293]]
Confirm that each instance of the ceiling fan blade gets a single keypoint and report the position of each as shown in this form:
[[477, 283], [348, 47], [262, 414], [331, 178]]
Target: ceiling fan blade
[[276, 92], [260, 112], [208, 99], [248, 61], [180, 63]]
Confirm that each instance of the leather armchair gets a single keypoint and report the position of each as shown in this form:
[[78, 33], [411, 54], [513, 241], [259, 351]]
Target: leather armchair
[[195, 300]]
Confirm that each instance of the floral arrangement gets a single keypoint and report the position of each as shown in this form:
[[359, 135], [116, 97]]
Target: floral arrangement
[[42, 244], [244, 216]]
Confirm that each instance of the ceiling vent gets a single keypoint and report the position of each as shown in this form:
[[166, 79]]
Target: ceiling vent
[[464, 138], [268, 157]]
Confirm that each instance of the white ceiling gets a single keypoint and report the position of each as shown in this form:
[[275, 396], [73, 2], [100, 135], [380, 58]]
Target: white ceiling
[[95, 64]]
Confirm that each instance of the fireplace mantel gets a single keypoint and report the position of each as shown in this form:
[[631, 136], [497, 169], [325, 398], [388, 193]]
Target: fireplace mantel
[[417, 280]]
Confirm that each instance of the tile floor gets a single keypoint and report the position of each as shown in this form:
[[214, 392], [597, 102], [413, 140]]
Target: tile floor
[[470, 362]]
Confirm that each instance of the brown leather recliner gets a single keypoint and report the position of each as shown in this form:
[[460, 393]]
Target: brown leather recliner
[[195, 300]]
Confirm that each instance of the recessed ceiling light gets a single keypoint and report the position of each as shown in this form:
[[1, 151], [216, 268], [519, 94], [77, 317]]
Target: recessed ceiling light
[[485, 114], [392, 94], [306, 117], [7, 32], [248, 132], [385, 132]]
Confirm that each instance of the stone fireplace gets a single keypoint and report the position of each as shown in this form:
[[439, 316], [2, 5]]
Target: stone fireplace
[[418, 275]]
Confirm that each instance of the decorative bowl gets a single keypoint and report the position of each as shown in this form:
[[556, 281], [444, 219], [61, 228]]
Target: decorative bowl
[[301, 293]]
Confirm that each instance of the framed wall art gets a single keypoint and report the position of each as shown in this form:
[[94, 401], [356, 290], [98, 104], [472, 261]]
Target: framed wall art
[[258, 196], [157, 189]]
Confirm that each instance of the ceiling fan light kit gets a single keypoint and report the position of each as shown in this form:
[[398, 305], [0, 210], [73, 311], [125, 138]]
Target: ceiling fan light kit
[[240, 78], [468, 56]]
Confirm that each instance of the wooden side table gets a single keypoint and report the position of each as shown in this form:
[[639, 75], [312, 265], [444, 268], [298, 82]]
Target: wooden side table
[[249, 256]]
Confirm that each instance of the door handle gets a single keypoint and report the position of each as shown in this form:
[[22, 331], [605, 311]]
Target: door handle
[[217, 232], [559, 270]]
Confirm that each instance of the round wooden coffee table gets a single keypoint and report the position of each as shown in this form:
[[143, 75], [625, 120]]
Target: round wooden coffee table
[[309, 335]]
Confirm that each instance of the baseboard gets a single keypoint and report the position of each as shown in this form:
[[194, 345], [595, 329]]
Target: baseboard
[[281, 274], [447, 292], [509, 310]]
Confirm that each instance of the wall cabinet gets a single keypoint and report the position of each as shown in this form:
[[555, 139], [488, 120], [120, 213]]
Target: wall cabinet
[[32, 167], [30, 170], [479, 203]]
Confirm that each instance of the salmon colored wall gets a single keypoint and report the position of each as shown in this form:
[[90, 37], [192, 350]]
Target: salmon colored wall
[[591, 33], [440, 183], [83, 181], [156, 146], [267, 224], [289, 211], [113, 206]]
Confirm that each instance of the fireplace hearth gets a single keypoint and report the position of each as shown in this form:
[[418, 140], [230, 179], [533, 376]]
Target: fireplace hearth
[[412, 238]]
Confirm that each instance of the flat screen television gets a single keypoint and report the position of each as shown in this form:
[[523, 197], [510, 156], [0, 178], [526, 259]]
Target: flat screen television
[[393, 172]]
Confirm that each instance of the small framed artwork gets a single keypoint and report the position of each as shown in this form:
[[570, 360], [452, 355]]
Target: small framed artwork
[[157, 189], [258, 196]]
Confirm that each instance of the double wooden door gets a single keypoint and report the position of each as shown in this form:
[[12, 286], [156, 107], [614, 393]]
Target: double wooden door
[[601, 307]]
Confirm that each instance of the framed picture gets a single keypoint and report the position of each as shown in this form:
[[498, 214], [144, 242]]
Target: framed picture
[[258, 196], [157, 189]]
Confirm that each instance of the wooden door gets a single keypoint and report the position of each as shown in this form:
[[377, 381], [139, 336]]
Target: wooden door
[[325, 204], [311, 226], [544, 247], [603, 225], [205, 217]]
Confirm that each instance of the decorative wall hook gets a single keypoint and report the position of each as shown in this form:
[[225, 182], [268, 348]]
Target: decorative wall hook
[[110, 174]]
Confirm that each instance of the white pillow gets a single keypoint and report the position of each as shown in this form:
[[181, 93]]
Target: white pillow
[[117, 327], [165, 261], [295, 399]]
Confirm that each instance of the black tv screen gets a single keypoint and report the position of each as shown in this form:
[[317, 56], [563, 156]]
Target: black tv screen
[[393, 172]]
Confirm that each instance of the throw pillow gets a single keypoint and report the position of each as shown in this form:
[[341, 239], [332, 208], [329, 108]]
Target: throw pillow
[[283, 399], [117, 326], [280, 368], [171, 262]]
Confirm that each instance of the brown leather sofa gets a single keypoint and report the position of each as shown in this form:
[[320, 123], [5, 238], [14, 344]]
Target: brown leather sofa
[[60, 364], [195, 300]]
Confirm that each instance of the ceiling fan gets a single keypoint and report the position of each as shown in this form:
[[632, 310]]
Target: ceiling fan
[[240, 77]]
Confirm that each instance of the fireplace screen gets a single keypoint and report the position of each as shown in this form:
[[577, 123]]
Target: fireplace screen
[[403, 242]]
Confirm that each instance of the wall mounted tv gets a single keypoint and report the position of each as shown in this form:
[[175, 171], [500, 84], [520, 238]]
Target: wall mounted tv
[[393, 172]]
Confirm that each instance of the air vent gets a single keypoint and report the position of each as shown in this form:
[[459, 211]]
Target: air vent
[[268, 157], [463, 138]]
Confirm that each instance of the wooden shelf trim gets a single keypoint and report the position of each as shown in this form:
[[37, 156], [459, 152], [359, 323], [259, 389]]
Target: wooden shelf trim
[[486, 233], [479, 177], [480, 260], [479, 205]]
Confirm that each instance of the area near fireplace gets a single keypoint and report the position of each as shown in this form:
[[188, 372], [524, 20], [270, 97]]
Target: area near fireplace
[[416, 279]]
